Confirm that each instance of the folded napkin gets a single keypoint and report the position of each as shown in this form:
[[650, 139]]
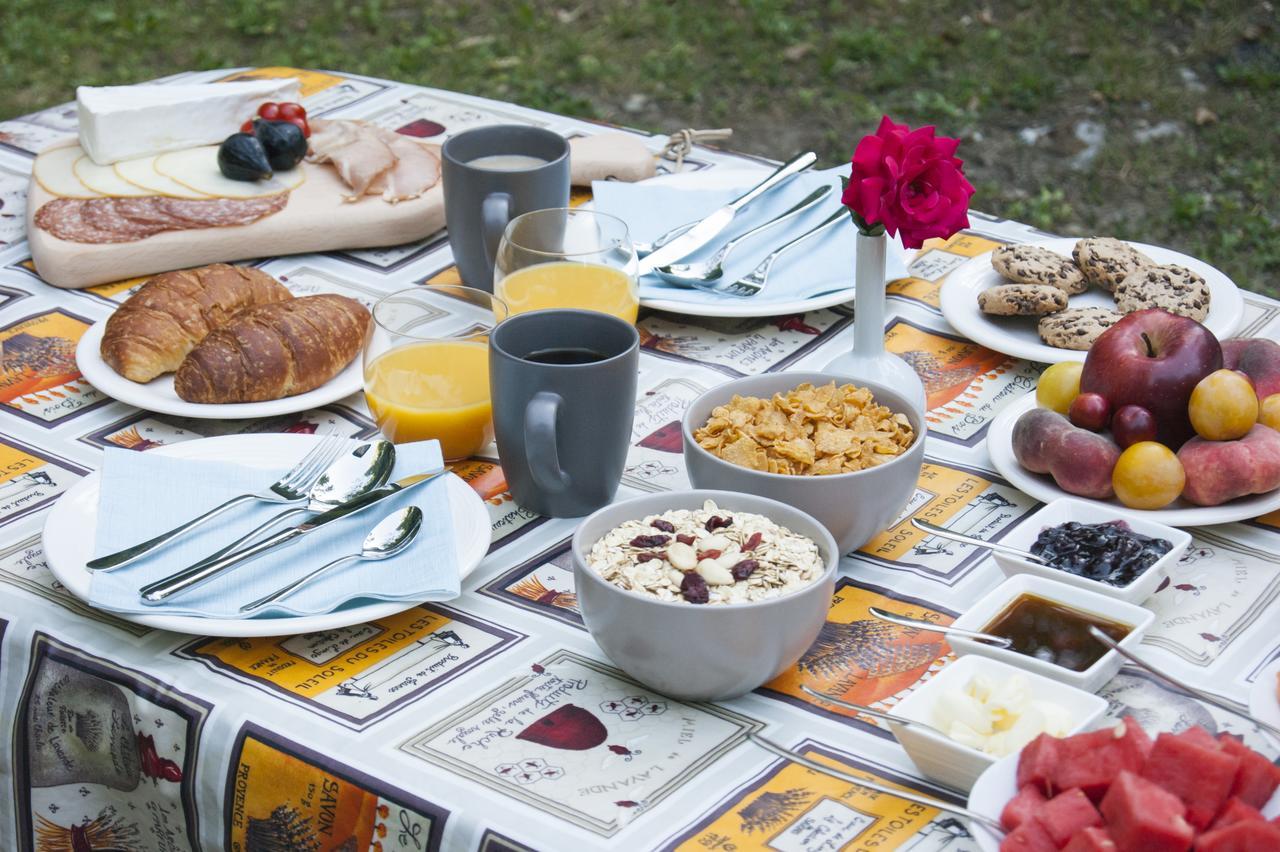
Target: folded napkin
[[819, 264], [144, 494]]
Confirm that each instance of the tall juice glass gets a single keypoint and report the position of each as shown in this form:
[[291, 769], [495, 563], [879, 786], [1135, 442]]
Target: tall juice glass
[[567, 258], [426, 366]]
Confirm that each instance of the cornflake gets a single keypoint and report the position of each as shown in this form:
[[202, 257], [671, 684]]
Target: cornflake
[[706, 555], [807, 431]]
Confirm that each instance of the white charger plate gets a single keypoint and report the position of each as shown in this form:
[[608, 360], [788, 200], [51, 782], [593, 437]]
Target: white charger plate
[[738, 308], [71, 529], [1041, 486], [1263, 702], [999, 783], [158, 394], [1017, 336]]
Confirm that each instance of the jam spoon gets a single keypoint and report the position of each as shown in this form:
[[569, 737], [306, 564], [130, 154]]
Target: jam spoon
[[907, 621], [943, 532]]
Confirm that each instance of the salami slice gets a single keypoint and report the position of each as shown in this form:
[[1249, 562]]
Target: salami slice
[[65, 219], [122, 220], [105, 214], [221, 212]]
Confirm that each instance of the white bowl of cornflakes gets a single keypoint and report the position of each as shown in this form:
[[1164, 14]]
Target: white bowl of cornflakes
[[845, 450]]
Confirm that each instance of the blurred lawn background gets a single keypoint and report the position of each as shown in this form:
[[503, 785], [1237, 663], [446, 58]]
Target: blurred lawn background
[[1153, 120]]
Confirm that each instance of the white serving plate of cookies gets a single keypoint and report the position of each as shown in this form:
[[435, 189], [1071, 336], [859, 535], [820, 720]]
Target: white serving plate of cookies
[[1179, 513], [1018, 335], [159, 396]]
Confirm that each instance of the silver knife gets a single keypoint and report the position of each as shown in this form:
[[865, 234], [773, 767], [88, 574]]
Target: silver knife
[[701, 233], [160, 590]]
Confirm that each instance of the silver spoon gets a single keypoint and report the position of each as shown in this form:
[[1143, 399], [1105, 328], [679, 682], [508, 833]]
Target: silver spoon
[[906, 621], [943, 532], [703, 272], [391, 535], [358, 472], [907, 795], [1206, 697], [871, 711]]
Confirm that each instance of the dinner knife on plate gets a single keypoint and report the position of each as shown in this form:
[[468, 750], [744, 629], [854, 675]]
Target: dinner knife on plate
[[187, 578], [701, 233]]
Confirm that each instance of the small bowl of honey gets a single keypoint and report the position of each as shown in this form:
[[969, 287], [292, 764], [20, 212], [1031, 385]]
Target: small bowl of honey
[[1047, 624]]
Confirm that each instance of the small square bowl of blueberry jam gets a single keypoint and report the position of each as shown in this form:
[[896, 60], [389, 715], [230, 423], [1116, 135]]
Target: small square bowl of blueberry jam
[[1095, 547]]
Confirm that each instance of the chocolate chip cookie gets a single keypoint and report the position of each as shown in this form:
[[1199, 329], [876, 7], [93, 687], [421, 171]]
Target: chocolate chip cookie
[[1076, 328], [1176, 289], [1036, 265], [1105, 261], [1022, 300]]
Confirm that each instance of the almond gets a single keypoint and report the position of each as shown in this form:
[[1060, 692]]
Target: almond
[[682, 557]]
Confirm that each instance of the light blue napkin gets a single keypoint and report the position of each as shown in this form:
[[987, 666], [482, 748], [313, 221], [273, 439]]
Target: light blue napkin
[[821, 263], [144, 494]]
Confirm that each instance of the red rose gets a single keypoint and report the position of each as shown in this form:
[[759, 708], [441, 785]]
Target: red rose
[[910, 182]]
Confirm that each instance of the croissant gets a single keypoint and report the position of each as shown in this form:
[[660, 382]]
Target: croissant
[[274, 351], [154, 330]]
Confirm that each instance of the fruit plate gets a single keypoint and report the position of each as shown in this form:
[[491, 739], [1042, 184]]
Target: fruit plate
[[71, 527], [1180, 513], [159, 396], [998, 784], [1017, 336]]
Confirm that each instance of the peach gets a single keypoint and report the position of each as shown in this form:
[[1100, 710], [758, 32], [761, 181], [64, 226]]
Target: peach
[[1218, 471], [1079, 461], [1256, 357]]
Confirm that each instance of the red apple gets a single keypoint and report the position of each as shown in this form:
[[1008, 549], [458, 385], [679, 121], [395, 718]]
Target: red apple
[[1090, 411], [1132, 424], [1154, 359], [1256, 357]]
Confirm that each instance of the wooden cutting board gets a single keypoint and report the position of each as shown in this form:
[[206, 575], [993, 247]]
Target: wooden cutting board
[[315, 219]]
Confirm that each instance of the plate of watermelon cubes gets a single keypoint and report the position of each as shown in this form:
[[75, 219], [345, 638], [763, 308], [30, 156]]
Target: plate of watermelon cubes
[[1117, 789]]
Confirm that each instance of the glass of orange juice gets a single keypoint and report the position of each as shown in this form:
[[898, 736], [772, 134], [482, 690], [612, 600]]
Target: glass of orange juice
[[426, 366], [567, 258]]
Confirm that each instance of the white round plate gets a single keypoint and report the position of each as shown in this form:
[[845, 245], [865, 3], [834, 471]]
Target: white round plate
[[737, 308], [158, 394], [999, 783], [1042, 487], [1263, 703], [71, 528], [1017, 336]]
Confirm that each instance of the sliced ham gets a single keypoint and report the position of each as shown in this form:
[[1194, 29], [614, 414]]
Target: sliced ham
[[416, 170], [372, 160]]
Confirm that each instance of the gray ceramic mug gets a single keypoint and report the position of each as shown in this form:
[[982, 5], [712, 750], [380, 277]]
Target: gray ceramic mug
[[563, 421], [479, 202]]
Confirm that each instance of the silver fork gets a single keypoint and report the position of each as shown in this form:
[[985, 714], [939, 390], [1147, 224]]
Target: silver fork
[[292, 487], [756, 280]]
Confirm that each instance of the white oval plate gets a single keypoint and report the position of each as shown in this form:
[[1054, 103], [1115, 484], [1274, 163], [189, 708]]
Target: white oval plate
[[1017, 336], [1263, 703], [158, 394], [999, 783], [1042, 487], [738, 308], [71, 528]]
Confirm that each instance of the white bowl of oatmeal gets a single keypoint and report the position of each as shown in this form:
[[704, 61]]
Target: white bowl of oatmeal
[[703, 595]]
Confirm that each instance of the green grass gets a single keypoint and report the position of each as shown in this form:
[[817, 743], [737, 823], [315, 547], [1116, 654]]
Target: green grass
[[788, 76]]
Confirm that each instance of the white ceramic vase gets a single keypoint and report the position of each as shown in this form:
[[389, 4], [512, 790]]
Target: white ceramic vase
[[869, 359]]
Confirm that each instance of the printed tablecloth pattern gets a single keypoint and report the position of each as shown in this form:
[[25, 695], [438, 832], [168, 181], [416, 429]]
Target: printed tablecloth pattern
[[413, 732]]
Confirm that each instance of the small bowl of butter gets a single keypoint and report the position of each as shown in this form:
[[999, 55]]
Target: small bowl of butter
[[977, 710]]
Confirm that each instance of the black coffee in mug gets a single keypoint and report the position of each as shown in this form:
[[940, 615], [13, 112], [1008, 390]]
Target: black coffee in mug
[[565, 355]]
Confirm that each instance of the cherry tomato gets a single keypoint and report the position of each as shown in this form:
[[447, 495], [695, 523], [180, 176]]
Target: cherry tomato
[[292, 110], [270, 111], [247, 127], [302, 125]]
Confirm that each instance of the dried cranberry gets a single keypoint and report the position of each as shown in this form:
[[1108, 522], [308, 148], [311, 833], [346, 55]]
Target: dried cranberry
[[650, 540], [743, 569], [709, 554], [716, 522], [694, 588], [685, 539], [665, 526], [753, 542], [647, 557]]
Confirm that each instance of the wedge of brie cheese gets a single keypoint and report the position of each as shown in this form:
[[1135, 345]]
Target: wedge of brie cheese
[[126, 122]]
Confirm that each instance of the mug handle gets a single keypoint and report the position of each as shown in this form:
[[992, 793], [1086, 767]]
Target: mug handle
[[540, 442], [495, 213]]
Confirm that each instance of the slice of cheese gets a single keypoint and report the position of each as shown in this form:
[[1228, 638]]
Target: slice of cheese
[[54, 170], [197, 168], [127, 122], [103, 179], [142, 172]]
